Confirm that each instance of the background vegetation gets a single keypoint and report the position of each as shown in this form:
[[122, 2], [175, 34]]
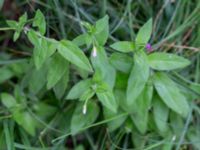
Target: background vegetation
[[45, 122]]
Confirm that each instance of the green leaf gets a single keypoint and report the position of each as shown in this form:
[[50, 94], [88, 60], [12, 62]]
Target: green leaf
[[88, 94], [39, 21], [58, 67], [61, 86], [72, 53], [170, 94], [137, 78], [80, 120], [37, 79], [101, 63], [25, 120], [165, 61], [144, 33], [18, 26], [78, 89], [177, 123], [121, 81], [8, 100], [40, 53], [34, 38], [140, 109], [161, 113], [120, 96], [12, 23], [123, 46], [195, 87], [83, 39], [42, 48], [102, 30], [43, 109], [116, 123], [16, 36], [5, 74], [22, 21], [193, 135], [106, 97], [121, 62]]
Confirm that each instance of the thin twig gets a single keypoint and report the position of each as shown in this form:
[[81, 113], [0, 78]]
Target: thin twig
[[182, 47]]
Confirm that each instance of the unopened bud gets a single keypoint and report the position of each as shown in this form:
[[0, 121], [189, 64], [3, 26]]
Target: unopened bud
[[94, 51]]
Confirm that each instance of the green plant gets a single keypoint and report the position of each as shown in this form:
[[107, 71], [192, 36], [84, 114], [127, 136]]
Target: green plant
[[132, 90]]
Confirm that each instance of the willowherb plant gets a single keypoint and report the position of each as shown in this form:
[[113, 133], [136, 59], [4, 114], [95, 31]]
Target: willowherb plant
[[132, 88]]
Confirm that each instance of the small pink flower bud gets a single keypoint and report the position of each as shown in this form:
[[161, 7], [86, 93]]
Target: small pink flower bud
[[149, 48]]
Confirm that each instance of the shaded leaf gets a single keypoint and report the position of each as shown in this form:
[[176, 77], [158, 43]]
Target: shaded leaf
[[161, 113], [58, 67], [116, 123], [106, 97], [79, 88], [140, 109], [121, 62], [61, 86], [80, 120]]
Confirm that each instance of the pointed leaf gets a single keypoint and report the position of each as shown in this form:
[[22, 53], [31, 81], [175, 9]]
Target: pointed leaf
[[83, 39], [138, 77], [107, 98], [144, 33], [25, 120], [73, 54], [79, 88], [161, 113], [8, 100], [61, 86], [123, 46], [39, 21], [170, 94], [37, 79], [102, 30], [140, 109], [116, 123], [101, 63], [58, 67], [80, 120], [165, 61]]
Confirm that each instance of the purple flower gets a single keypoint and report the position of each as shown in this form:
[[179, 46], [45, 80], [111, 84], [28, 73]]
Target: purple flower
[[148, 47]]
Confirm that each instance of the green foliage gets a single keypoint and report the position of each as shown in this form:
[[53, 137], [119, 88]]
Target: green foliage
[[39, 21], [138, 77], [80, 120], [123, 46], [144, 33], [65, 87], [164, 61], [73, 54], [170, 94]]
